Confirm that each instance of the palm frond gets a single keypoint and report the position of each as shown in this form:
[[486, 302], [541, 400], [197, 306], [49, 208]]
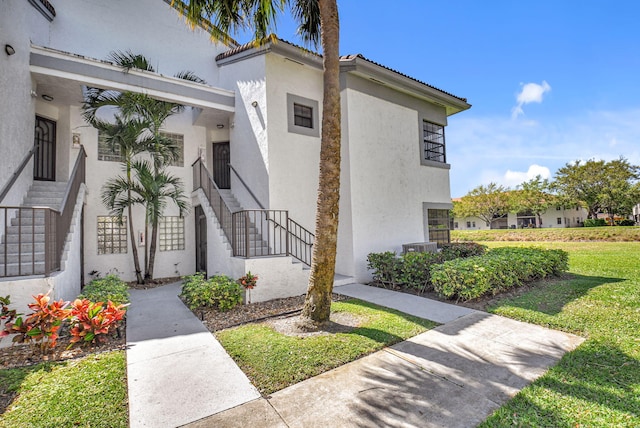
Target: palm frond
[[128, 60], [190, 76], [307, 14]]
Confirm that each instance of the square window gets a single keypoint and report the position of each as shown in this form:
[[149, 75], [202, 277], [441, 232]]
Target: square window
[[302, 116], [176, 140], [112, 235], [108, 150], [433, 145], [171, 233]]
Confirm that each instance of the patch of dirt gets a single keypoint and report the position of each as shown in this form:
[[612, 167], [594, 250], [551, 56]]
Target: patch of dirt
[[153, 283], [215, 320], [28, 355], [340, 322]]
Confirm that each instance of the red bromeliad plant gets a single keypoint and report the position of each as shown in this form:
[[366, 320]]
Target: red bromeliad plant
[[40, 326], [249, 280], [91, 321]]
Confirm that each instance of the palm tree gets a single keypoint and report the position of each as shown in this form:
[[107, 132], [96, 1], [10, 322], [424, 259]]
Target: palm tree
[[318, 20], [143, 117], [155, 188], [116, 193]]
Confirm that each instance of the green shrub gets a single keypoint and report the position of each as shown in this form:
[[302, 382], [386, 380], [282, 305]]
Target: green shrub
[[110, 288], [219, 291], [387, 267], [456, 250], [595, 222], [497, 270], [625, 222], [414, 270]]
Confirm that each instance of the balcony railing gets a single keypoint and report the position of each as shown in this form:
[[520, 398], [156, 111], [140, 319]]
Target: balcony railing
[[255, 233]]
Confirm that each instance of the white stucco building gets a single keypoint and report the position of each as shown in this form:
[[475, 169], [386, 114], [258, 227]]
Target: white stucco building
[[553, 217], [254, 128]]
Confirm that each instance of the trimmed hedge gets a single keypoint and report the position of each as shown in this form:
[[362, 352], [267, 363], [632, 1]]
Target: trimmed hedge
[[219, 291], [497, 270], [412, 270]]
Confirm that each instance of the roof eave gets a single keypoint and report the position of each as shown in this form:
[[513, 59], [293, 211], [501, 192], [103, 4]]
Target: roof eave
[[363, 67]]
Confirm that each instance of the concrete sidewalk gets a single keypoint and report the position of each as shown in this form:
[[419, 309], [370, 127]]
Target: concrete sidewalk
[[452, 376], [177, 371]]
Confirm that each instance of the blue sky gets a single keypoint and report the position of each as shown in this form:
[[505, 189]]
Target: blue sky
[[550, 81]]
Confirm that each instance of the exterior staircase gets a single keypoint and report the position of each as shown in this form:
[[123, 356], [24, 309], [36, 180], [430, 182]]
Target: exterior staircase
[[23, 244]]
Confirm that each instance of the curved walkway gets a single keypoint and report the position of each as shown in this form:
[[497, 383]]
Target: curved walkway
[[452, 376]]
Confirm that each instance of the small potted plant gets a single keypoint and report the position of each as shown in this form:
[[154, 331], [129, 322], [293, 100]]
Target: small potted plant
[[248, 282]]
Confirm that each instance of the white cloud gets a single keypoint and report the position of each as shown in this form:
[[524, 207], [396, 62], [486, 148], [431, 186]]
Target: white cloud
[[530, 93], [514, 178]]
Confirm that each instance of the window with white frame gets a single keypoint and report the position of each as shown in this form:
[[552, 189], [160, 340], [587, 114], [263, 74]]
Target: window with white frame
[[433, 145], [302, 116], [112, 235], [171, 230], [108, 151], [176, 140]]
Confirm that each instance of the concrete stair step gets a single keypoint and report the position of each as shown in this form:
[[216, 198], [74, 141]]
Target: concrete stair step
[[49, 185], [27, 221], [15, 238], [25, 229], [44, 201], [25, 247], [26, 257], [13, 269]]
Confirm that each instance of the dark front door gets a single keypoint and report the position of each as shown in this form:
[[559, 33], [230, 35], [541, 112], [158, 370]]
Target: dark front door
[[201, 240], [44, 159], [221, 169]]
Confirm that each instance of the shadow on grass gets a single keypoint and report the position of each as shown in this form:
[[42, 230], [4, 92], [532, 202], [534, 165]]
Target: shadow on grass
[[593, 385], [550, 297], [11, 381]]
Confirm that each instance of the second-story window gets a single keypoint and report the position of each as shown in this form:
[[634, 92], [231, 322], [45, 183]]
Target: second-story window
[[433, 146]]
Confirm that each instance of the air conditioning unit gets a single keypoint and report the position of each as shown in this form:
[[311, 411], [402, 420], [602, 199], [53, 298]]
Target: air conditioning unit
[[420, 247]]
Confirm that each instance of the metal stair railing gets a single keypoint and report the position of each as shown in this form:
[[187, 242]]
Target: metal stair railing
[[255, 233]]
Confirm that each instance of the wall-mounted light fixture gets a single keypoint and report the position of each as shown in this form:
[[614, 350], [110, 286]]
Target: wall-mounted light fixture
[[220, 126], [75, 139], [255, 104], [9, 50], [47, 97]]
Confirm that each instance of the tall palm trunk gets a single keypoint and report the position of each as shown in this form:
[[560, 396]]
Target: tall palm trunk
[[134, 244], [317, 305], [152, 250]]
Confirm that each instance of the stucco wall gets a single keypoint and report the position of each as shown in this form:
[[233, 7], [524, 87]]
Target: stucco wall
[[17, 106], [248, 129], [293, 158], [148, 27], [388, 182]]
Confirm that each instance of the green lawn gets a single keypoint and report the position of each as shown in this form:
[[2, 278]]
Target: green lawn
[[274, 361], [598, 384], [607, 233], [89, 392]]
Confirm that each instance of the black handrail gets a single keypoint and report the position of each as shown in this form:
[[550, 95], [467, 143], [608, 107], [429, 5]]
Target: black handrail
[[245, 186], [16, 174]]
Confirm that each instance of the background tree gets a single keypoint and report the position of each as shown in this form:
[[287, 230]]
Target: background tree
[[620, 192], [598, 185], [580, 183], [485, 202], [533, 196], [318, 21]]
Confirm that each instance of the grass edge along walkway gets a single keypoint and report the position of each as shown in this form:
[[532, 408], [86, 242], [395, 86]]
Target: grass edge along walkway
[[598, 384], [273, 361]]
